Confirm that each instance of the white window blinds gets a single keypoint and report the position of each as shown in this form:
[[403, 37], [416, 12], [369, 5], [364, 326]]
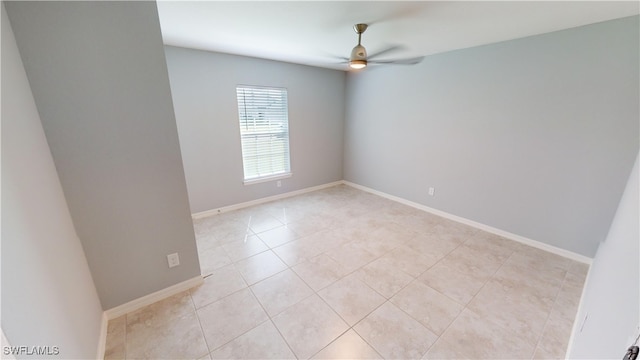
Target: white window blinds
[[264, 131]]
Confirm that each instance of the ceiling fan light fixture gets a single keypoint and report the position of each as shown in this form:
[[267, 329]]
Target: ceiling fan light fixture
[[359, 53], [357, 64], [358, 58]]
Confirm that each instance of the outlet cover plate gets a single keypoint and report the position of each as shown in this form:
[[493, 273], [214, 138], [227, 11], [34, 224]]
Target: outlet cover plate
[[173, 260]]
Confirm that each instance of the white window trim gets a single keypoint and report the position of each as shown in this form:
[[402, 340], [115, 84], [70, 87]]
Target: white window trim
[[267, 178], [273, 177]]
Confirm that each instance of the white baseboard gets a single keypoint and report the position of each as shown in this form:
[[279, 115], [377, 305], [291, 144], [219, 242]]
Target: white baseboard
[[102, 341], [221, 210], [521, 239], [578, 320], [153, 297]]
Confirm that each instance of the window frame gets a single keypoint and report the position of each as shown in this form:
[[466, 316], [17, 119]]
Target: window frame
[[241, 103]]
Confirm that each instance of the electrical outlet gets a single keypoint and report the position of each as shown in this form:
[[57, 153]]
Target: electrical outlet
[[173, 260], [279, 183], [432, 191]]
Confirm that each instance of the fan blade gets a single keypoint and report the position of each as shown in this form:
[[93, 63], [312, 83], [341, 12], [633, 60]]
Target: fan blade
[[387, 50], [339, 59], [410, 61]]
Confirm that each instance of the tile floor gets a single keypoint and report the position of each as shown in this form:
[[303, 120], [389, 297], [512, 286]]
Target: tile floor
[[340, 273]]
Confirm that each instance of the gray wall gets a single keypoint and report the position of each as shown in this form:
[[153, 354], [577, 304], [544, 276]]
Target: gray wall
[[534, 136], [612, 292], [99, 78], [48, 296], [203, 85]]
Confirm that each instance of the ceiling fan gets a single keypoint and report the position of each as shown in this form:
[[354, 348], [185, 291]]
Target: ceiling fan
[[359, 58]]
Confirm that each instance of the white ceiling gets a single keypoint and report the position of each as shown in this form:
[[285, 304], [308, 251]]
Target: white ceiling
[[317, 33]]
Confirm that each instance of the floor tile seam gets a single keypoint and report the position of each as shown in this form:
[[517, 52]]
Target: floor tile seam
[[444, 332], [222, 298], [281, 336], [441, 338], [225, 239], [352, 271], [305, 259], [368, 285], [331, 342], [345, 320], [260, 303], [290, 305], [335, 313], [236, 337], [268, 277], [414, 276], [441, 293], [495, 323], [374, 260], [429, 268], [482, 256], [361, 320], [454, 300], [397, 307], [487, 280], [256, 254], [236, 291], [246, 283], [386, 299], [206, 343], [450, 345], [335, 281], [504, 329], [202, 249], [546, 323], [402, 288], [411, 316], [442, 258], [252, 255], [285, 227], [265, 230], [535, 344], [219, 267], [244, 332], [437, 291], [300, 276], [326, 286], [301, 236]]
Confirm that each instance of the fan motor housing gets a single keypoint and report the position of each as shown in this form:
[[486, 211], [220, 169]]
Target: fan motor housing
[[358, 53]]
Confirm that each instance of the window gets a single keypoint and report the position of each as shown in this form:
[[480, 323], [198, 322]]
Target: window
[[264, 132]]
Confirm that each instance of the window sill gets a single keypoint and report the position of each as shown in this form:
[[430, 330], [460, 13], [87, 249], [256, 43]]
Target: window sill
[[267, 179]]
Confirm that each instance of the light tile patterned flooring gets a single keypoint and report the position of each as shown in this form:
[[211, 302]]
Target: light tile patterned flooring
[[340, 273]]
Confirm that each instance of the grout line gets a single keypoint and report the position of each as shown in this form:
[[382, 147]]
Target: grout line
[[352, 327], [244, 332], [464, 306], [195, 310], [335, 225], [282, 336], [555, 301], [271, 318]]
